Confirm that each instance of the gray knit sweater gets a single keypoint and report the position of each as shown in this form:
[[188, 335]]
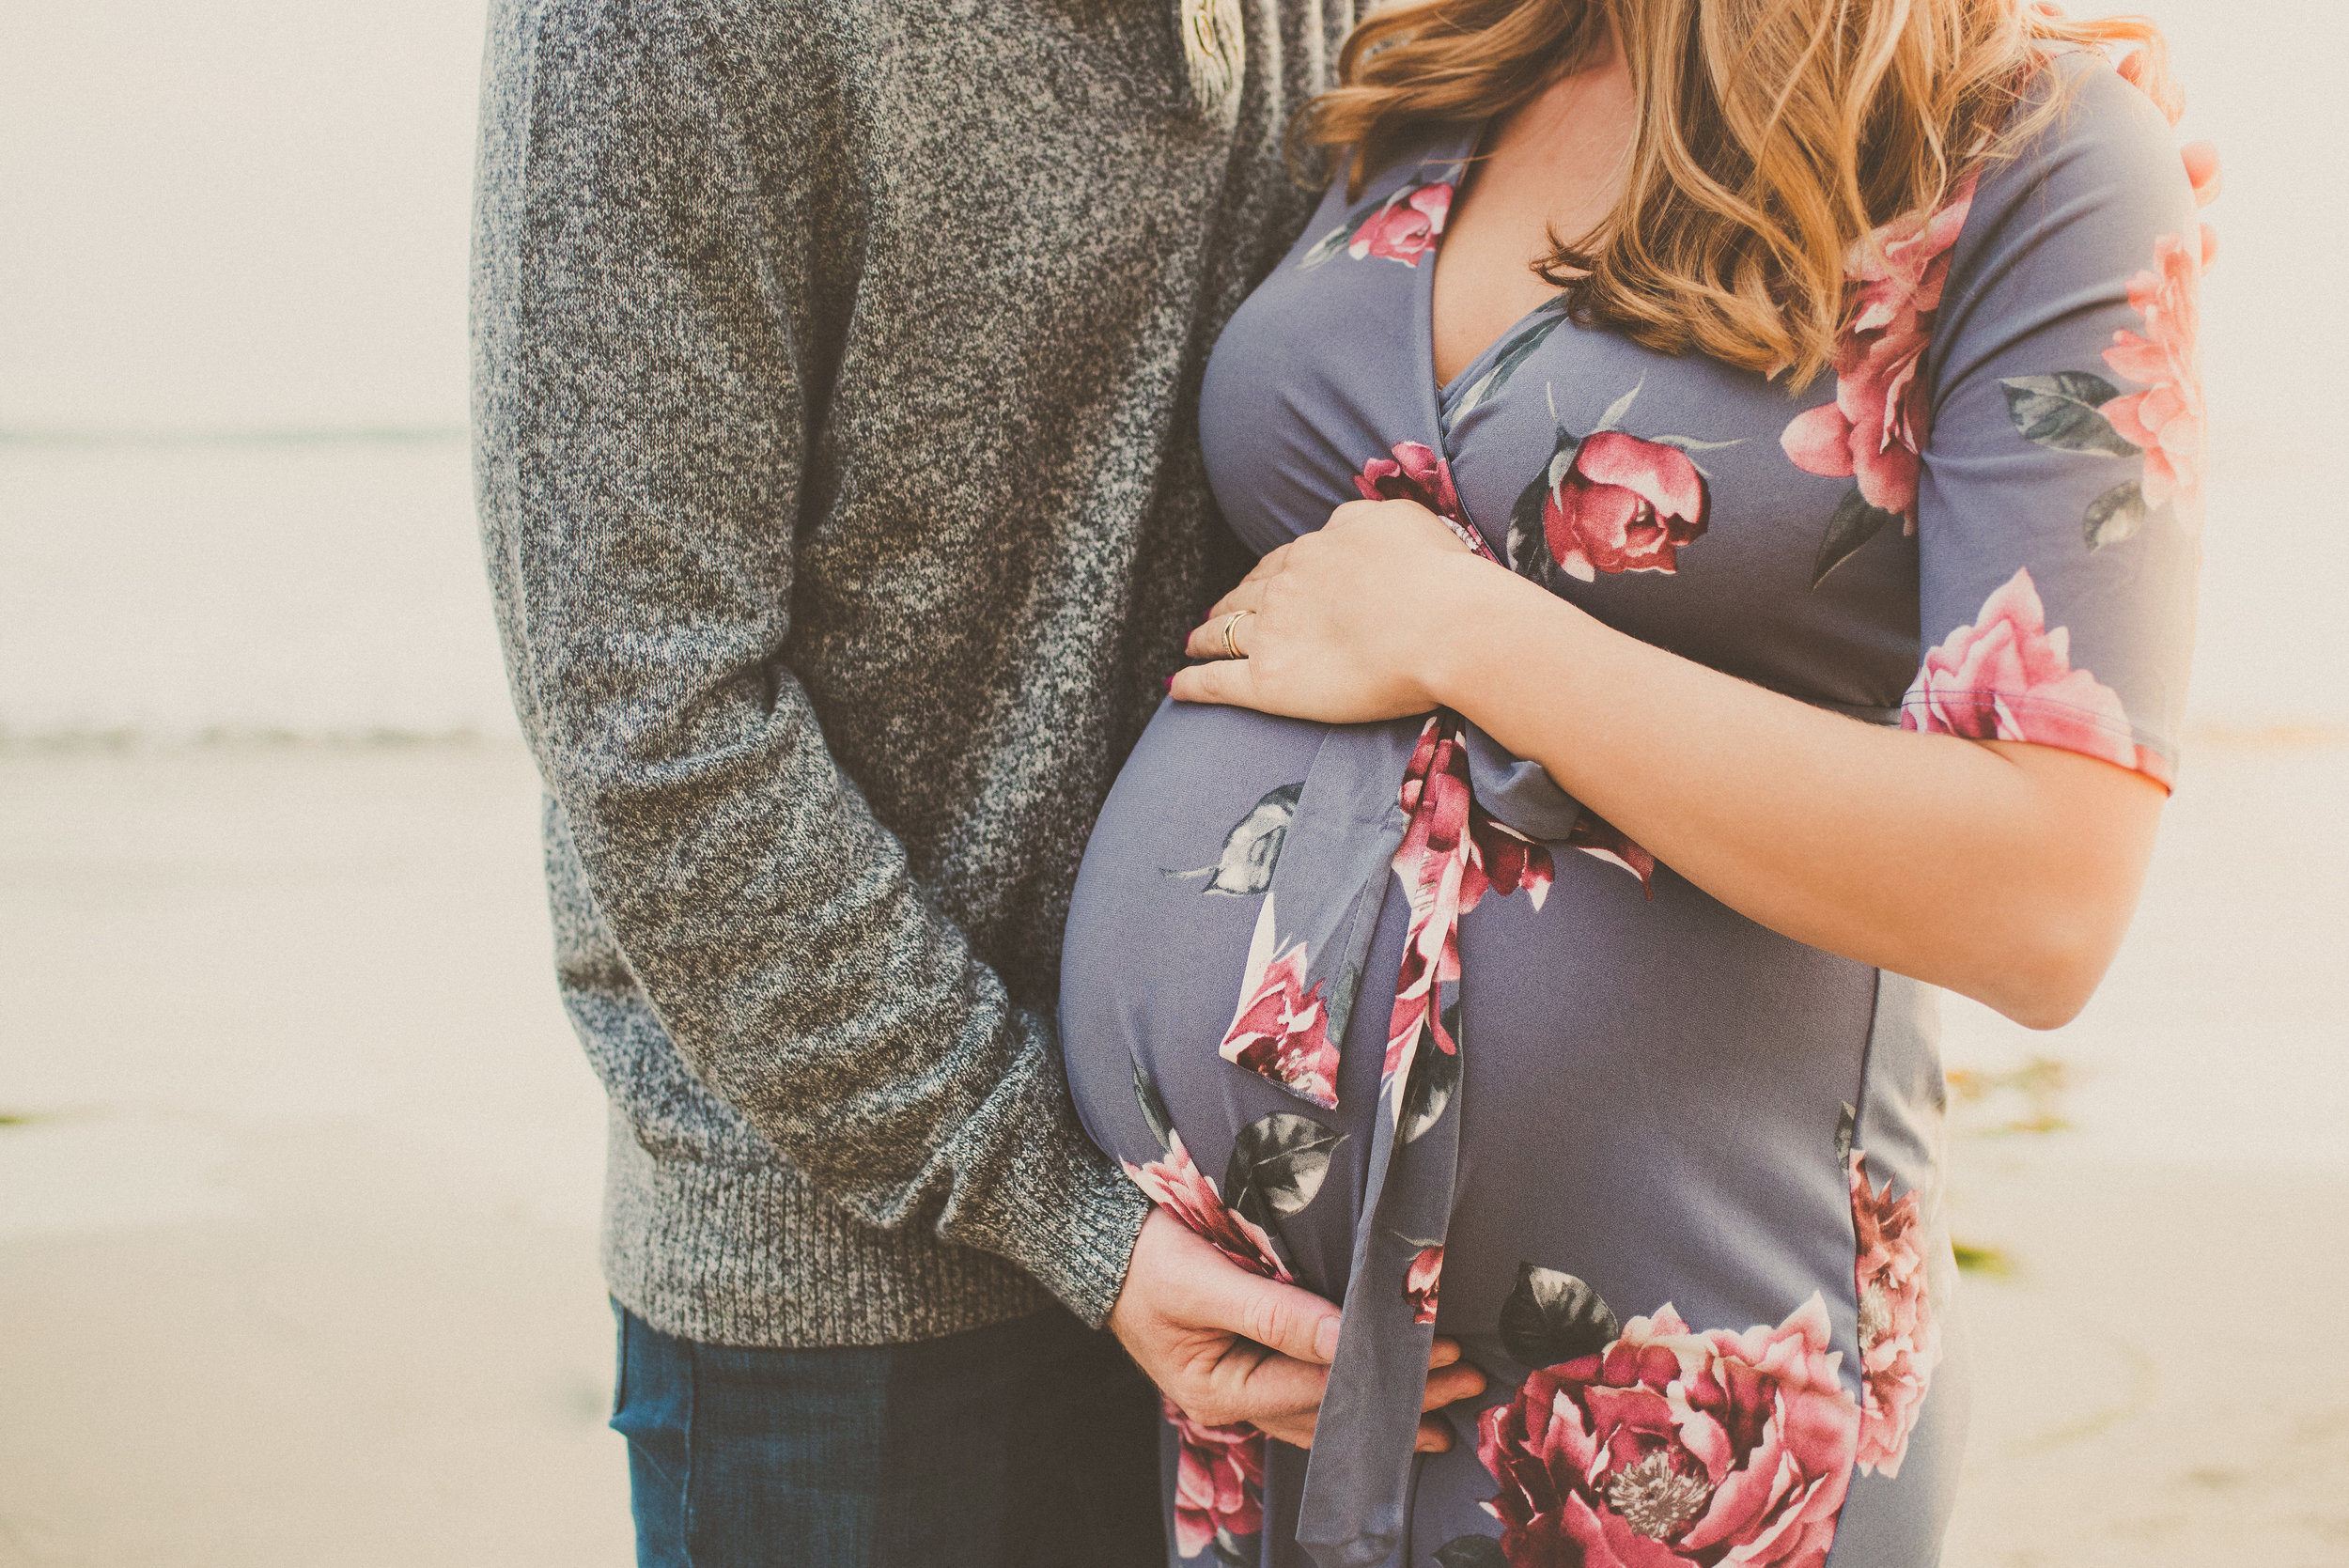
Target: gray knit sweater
[[833, 372]]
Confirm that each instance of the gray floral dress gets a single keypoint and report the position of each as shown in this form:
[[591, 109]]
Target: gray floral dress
[[1674, 1180]]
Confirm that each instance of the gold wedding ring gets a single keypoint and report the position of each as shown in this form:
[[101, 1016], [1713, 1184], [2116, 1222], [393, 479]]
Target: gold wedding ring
[[1231, 648]]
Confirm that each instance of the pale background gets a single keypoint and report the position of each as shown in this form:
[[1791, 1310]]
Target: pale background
[[298, 1162]]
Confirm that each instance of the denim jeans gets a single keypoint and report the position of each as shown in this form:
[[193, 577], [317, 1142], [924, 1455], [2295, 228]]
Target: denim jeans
[[1029, 1444]]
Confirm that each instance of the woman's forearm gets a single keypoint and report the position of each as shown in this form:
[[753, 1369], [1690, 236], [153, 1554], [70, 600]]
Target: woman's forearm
[[2006, 871]]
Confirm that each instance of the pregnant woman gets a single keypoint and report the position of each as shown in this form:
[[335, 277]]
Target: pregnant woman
[[1770, 604]]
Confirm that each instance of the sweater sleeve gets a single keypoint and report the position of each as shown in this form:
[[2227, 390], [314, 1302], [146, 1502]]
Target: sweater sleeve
[[641, 427]]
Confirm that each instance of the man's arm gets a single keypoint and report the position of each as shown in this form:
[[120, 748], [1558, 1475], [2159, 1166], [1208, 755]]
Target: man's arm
[[641, 426]]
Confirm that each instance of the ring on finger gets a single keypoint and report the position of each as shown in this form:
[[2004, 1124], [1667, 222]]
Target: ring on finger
[[1231, 622]]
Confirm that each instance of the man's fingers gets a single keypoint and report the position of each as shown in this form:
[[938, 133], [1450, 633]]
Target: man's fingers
[[1297, 1433], [1450, 1385], [1278, 1389], [1219, 1296], [1443, 1352], [1434, 1436]]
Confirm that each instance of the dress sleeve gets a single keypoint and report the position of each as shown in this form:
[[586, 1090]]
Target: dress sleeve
[[2060, 503]]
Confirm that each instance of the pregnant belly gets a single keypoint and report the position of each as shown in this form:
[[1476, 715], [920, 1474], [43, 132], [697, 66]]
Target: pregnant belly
[[1639, 1073]]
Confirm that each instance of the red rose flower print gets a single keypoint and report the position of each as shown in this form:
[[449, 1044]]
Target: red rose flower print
[[2167, 418], [1877, 424], [1452, 854], [1282, 1029], [1601, 839], [1900, 1340], [1406, 228], [2008, 677], [1219, 1480], [1421, 1283], [1670, 1449], [1418, 472], [1414, 473], [1622, 505], [1177, 1184]]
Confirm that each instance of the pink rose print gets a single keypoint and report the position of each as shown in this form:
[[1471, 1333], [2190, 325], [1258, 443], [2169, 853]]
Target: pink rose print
[[1180, 1187], [1595, 836], [1282, 1029], [1415, 472], [1878, 422], [1418, 472], [1406, 228], [1900, 1342], [1676, 1450], [1421, 1282], [2167, 419], [1624, 504], [1450, 856], [1219, 1480], [2008, 677]]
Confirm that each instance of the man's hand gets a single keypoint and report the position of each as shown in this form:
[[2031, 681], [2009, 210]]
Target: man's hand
[[1229, 1346]]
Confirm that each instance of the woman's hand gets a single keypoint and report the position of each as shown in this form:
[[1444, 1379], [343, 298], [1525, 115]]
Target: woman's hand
[[1346, 624]]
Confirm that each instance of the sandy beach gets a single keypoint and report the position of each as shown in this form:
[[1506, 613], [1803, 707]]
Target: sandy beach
[[297, 1202]]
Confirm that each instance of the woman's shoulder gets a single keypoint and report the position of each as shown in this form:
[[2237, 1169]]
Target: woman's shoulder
[[2102, 155]]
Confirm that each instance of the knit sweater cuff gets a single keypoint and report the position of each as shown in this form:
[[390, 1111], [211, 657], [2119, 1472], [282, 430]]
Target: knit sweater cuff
[[1079, 1239]]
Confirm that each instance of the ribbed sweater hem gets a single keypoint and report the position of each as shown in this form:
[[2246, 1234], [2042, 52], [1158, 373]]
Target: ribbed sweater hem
[[741, 1254]]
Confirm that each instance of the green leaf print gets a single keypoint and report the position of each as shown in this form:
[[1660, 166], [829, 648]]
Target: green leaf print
[[1154, 1109], [1435, 1074], [1547, 319], [2059, 411], [2114, 515], [1471, 1551], [1854, 524], [1553, 1317], [1251, 849], [1278, 1165]]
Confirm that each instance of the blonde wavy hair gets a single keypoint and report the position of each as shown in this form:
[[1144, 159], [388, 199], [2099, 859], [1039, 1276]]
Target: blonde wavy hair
[[1774, 136]]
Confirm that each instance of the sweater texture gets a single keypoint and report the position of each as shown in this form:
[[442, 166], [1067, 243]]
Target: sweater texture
[[836, 365]]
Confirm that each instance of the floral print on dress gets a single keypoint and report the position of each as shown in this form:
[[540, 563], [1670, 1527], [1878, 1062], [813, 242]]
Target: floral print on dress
[[1282, 1029], [1402, 226], [1611, 501], [1453, 853], [1421, 1283], [2008, 677], [1875, 427], [1252, 851], [1218, 1483], [1418, 472], [1900, 1337], [2078, 411], [1179, 1187], [1673, 1449], [2167, 418], [1602, 840]]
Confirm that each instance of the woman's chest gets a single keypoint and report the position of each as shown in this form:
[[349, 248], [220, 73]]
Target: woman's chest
[[1656, 492]]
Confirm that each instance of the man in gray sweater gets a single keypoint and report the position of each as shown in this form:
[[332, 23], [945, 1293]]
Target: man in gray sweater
[[835, 366]]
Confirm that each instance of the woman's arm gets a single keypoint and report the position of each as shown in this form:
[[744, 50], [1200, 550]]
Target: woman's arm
[[2007, 871]]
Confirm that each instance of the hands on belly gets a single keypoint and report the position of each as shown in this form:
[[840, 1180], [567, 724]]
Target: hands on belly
[[1229, 1346]]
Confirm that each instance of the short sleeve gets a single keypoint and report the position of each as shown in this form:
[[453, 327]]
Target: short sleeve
[[2058, 506]]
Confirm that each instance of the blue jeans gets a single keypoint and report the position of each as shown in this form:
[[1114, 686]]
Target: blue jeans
[[1029, 1444]]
